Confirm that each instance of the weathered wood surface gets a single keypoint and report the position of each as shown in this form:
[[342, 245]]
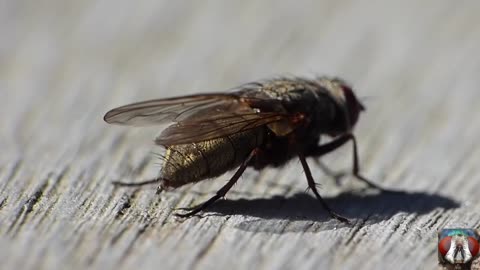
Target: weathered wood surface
[[64, 63]]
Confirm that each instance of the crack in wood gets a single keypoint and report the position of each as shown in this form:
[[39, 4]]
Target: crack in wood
[[3, 202], [27, 208], [117, 236], [209, 245], [356, 230], [126, 253], [13, 171]]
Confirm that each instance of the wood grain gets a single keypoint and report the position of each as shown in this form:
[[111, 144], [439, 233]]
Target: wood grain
[[63, 64]]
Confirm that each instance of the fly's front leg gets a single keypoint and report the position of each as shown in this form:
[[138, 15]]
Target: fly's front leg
[[356, 168], [321, 150]]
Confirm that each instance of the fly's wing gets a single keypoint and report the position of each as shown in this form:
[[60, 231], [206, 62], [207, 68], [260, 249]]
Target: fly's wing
[[217, 126], [200, 117], [162, 111]]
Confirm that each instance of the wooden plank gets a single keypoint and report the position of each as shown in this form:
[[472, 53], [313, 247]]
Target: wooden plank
[[64, 64]]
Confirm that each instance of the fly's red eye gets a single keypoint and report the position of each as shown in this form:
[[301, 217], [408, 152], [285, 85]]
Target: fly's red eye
[[473, 246], [444, 245]]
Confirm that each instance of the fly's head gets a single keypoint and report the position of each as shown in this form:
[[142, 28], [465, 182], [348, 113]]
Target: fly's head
[[352, 104]]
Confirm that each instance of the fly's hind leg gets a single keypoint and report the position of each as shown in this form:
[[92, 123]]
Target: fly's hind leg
[[136, 184], [221, 192], [329, 147]]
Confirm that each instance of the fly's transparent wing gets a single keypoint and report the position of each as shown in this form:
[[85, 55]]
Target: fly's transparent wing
[[220, 125], [161, 111], [200, 117]]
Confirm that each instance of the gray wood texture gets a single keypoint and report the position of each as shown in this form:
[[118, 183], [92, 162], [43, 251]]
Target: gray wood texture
[[63, 64]]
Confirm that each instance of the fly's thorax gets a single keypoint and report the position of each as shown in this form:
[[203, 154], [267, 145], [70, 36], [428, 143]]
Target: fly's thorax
[[322, 113], [188, 163], [347, 104]]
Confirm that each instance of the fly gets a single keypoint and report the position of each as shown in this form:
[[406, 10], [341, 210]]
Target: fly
[[259, 124]]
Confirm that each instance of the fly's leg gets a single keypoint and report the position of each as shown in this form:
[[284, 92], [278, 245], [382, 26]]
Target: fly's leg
[[136, 184], [311, 185], [221, 192], [329, 147], [356, 168]]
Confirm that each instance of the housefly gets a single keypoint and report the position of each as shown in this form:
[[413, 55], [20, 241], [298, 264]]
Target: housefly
[[258, 124]]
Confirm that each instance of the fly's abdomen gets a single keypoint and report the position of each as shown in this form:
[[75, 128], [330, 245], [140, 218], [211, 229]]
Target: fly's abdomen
[[188, 163]]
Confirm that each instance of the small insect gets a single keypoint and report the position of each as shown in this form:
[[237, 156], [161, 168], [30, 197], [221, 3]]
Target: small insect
[[458, 247], [258, 124]]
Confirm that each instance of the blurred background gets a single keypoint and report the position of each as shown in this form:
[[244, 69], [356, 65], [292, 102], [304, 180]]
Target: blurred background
[[63, 64]]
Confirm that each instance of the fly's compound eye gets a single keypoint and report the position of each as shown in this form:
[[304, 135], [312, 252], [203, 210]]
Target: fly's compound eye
[[473, 246], [445, 243]]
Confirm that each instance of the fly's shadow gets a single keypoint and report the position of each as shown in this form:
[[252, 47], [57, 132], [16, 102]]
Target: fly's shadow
[[305, 208]]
